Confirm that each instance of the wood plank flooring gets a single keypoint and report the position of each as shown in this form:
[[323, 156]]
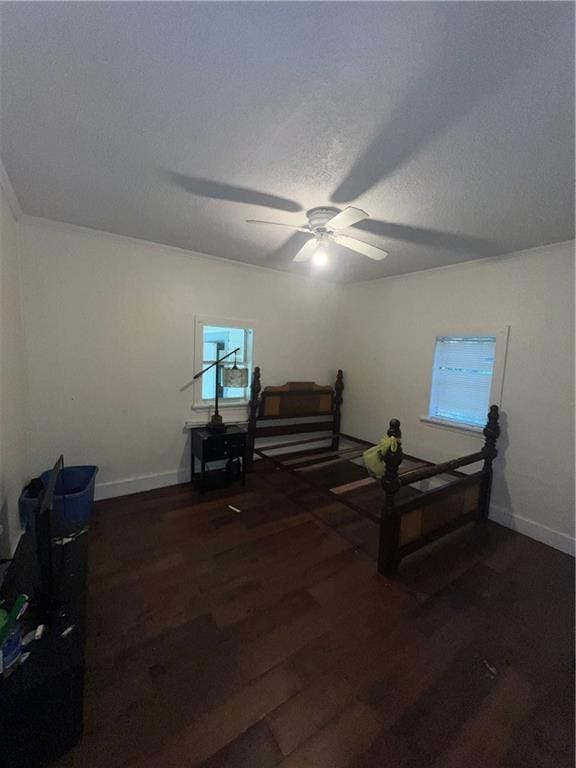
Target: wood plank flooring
[[266, 638]]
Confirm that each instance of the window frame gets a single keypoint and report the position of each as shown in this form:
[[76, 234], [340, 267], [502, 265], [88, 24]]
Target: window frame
[[501, 334], [223, 322]]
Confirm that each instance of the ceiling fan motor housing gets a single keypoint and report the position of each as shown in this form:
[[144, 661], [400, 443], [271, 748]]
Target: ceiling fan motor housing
[[318, 217], [325, 226]]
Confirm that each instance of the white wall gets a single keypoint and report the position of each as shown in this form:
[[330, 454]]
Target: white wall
[[110, 329], [13, 401], [110, 324], [388, 331]]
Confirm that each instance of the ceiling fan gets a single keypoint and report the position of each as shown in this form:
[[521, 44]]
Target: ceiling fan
[[325, 226]]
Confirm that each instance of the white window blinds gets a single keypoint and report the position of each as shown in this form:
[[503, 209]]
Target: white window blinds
[[462, 379]]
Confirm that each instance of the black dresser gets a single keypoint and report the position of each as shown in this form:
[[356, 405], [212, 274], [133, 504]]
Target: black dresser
[[41, 703], [227, 447]]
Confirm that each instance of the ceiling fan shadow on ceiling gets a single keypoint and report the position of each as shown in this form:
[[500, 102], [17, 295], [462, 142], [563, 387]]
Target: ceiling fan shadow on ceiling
[[325, 226]]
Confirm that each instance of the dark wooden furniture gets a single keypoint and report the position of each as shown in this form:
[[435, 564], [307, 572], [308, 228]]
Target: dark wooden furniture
[[290, 407], [415, 522], [229, 446], [41, 703], [412, 516]]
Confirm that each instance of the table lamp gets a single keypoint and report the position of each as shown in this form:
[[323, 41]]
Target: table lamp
[[232, 377]]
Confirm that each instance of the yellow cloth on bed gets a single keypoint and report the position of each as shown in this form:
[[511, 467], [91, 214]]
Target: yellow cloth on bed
[[374, 457]]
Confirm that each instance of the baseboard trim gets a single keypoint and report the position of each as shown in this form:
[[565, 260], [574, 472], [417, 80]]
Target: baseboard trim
[[114, 488], [534, 530]]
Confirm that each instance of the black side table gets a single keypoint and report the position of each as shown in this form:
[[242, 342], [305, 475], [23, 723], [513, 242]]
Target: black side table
[[229, 446]]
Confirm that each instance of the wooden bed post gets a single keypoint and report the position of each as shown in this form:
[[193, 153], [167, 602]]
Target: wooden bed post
[[491, 434], [338, 389], [253, 407], [388, 551]]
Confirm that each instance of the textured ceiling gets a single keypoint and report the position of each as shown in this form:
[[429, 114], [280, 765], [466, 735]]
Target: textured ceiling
[[450, 123]]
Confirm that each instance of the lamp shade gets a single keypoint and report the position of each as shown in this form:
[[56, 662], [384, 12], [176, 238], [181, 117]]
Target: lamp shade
[[235, 377]]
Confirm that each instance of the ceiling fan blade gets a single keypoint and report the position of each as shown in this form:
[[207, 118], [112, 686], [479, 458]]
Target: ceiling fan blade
[[306, 251], [347, 218], [450, 241], [361, 247], [286, 252], [278, 224], [216, 190]]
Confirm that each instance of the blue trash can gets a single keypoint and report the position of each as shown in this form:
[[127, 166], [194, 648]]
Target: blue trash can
[[73, 497]]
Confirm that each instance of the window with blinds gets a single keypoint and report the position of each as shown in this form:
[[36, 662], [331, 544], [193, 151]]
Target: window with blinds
[[462, 379]]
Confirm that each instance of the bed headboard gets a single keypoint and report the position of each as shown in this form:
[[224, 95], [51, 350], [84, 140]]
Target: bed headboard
[[292, 401]]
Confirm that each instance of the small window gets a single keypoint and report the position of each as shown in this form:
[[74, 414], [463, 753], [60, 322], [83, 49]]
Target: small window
[[214, 339], [462, 377]]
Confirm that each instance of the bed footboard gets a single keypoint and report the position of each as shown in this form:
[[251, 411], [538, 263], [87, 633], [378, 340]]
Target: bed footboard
[[415, 522]]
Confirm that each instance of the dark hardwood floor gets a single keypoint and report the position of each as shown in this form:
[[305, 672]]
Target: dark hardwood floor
[[266, 638]]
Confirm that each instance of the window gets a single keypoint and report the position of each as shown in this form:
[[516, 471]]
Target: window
[[214, 339], [462, 379]]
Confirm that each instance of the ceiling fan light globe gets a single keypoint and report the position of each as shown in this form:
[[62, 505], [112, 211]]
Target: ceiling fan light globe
[[320, 258]]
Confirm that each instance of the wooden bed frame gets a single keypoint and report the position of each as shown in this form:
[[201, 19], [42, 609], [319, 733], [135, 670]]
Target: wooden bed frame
[[413, 523], [408, 519], [290, 402]]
